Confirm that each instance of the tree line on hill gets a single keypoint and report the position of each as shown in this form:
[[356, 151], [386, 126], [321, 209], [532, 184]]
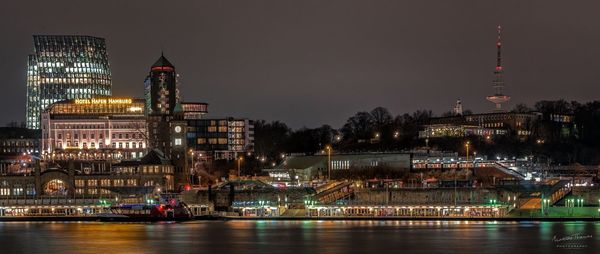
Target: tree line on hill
[[550, 141]]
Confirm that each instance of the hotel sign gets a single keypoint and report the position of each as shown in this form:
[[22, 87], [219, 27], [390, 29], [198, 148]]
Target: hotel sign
[[104, 101]]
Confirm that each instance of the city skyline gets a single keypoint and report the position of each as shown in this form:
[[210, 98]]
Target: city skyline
[[319, 64], [306, 126]]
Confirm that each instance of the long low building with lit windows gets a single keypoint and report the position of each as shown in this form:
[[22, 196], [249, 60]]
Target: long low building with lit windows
[[94, 129], [408, 211], [88, 182], [299, 169]]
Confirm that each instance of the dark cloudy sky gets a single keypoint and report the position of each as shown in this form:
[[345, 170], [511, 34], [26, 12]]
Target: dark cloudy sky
[[318, 62]]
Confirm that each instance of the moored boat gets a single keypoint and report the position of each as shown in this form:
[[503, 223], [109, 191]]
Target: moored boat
[[171, 211]]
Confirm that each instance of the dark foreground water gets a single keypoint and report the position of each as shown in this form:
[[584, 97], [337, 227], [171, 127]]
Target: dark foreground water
[[301, 237]]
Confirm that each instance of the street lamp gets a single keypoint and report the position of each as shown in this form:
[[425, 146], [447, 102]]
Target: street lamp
[[467, 145], [189, 177], [192, 155], [239, 162], [328, 148]]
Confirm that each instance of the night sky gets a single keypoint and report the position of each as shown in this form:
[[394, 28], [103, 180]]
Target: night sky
[[309, 63]]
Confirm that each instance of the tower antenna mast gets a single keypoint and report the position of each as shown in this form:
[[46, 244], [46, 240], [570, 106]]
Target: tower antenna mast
[[498, 83]]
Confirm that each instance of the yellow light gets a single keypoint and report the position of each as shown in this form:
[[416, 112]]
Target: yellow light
[[104, 101]]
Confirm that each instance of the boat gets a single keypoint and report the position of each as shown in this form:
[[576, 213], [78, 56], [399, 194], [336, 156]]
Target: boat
[[170, 211]]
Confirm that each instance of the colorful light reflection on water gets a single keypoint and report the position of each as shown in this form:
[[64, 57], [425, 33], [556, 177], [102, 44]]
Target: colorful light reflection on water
[[300, 237]]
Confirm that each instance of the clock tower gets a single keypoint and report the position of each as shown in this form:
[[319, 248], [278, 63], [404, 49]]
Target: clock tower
[[179, 153]]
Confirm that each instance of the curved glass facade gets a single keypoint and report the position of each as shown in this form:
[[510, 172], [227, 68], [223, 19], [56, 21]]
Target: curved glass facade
[[65, 67]]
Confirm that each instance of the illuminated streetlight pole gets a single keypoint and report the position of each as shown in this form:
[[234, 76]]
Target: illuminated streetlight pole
[[239, 162], [455, 182], [191, 168], [328, 162], [192, 154], [467, 145]]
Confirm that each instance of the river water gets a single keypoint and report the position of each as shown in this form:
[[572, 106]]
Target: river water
[[301, 237]]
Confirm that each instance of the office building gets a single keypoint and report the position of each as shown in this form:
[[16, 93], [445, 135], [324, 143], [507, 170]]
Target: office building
[[65, 67], [220, 139]]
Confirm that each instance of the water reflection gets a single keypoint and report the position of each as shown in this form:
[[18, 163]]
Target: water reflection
[[294, 237]]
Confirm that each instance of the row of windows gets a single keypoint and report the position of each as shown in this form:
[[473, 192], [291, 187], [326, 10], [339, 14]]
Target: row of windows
[[68, 144], [146, 169], [92, 191], [493, 125], [106, 182], [212, 141], [100, 135], [19, 191], [17, 143], [340, 164]]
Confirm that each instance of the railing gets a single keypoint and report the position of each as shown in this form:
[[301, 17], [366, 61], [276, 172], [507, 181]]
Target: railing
[[47, 201], [508, 171], [560, 194], [334, 193]]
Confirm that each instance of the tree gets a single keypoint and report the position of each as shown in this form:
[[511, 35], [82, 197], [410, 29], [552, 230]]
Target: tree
[[270, 139], [554, 107], [447, 114], [381, 117], [521, 108], [310, 141], [359, 126]]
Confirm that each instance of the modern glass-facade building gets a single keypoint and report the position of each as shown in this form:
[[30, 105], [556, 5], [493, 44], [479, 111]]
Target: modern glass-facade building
[[65, 67], [223, 139]]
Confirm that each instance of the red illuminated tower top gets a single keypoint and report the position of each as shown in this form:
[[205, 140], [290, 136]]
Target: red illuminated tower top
[[498, 83]]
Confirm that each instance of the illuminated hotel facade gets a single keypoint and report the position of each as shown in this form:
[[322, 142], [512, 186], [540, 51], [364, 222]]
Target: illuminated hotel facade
[[95, 129], [65, 67]]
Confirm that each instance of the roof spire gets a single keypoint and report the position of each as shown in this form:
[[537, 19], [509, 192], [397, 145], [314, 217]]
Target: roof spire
[[499, 49], [162, 63]]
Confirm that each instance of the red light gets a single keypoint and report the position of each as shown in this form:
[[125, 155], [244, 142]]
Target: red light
[[498, 68], [187, 187], [162, 68]]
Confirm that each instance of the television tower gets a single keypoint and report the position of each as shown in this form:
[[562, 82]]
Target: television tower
[[498, 84]]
